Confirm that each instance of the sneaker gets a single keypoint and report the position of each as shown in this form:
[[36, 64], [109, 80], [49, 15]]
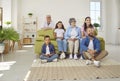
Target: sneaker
[[55, 60], [43, 61], [70, 56], [62, 56], [81, 58], [97, 63], [88, 62], [75, 57]]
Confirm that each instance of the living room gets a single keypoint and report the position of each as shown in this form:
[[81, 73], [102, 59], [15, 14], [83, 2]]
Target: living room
[[21, 14]]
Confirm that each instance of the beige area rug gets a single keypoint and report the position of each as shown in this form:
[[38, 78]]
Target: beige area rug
[[72, 70]]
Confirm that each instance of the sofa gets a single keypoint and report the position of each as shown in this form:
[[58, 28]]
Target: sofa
[[40, 40]]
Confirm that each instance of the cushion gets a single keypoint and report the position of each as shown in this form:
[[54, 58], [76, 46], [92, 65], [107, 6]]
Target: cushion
[[49, 32], [40, 38], [102, 43]]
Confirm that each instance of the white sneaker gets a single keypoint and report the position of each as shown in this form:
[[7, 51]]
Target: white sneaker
[[70, 57], [75, 57], [43, 61], [55, 60], [97, 63], [88, 62], [81, 58], [62, 56]]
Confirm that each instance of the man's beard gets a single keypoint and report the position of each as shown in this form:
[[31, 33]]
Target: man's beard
[[90, 35]]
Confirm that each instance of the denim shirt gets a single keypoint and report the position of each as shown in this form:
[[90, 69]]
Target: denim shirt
[[68, 33], [85, 42], [51, 49]]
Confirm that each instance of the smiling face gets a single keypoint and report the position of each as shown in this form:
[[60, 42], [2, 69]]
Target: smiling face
[[48, 18], [73, 23], [59, 25], [90, 32], [88, 21], [47, 40]]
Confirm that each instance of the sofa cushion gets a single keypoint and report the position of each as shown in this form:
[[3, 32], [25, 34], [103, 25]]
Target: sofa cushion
[[40, 38], [102, 43], [42, 33]]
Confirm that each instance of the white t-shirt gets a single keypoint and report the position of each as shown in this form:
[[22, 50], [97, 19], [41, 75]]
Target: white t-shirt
[[91, 46], [59, 32], [73, 33], [47, 50], [51, 25]]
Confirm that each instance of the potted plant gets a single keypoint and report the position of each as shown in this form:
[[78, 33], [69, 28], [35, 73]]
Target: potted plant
[[2, 46], [96, 25], [7, 34], [8, 23], [30, 14]]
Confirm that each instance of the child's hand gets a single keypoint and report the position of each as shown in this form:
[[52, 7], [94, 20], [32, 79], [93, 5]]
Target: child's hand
[[47, 55], [50, 55]]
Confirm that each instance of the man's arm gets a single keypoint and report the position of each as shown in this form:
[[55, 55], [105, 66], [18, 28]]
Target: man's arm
[[97, 49], [83, 46]]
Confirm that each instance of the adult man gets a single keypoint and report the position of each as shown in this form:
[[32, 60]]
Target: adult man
[[90, 47], [48, 24]]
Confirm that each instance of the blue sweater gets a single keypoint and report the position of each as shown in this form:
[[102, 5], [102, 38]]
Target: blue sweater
[[51, 48], [68, 33], [85, 42]]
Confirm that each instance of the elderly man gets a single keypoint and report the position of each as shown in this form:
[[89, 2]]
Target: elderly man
[[90, 47], [48, 24]]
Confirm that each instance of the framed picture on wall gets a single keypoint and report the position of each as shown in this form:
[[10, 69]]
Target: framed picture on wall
[[1, 20]]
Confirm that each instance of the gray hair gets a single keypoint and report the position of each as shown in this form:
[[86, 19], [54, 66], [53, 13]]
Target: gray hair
[[48, 16], [71, 20]]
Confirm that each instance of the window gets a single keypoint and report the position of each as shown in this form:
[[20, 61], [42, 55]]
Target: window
[[95, 11]]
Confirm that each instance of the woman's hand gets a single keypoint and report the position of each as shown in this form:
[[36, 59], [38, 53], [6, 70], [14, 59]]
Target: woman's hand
[[74, 39], [60, 38]]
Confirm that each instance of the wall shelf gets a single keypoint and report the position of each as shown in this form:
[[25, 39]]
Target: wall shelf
[[29, 30]]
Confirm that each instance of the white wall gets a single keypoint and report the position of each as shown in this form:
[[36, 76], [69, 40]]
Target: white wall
[[0, 3], [112, 22], [6, 5], [59, 9], [63, 10]]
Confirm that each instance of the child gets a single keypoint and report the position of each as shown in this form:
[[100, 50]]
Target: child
[[59, 35], [48, 51]]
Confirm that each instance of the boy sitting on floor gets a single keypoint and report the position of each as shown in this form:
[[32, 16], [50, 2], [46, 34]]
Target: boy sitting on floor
[[48, 51]]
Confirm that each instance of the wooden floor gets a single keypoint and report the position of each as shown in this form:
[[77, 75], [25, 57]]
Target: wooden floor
[[72, 70]]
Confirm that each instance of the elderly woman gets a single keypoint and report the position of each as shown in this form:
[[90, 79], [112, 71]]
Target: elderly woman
[[73, 36]]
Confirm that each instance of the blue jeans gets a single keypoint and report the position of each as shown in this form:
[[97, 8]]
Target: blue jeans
[[62, 45], [49, 59]]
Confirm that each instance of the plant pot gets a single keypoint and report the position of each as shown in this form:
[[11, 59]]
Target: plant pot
[[2, 47]]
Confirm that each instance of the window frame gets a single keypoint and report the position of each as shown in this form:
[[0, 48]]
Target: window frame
[[100, 28]]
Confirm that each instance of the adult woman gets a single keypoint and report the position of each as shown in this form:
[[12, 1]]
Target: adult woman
[[73, 36], [87, 24]]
